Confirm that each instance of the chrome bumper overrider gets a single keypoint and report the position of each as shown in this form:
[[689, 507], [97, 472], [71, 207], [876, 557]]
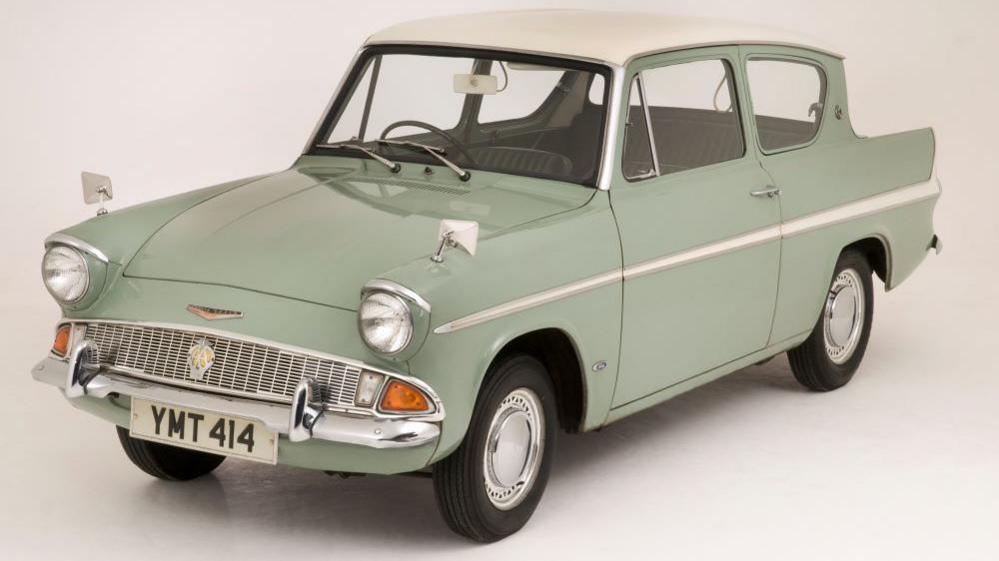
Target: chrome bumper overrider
[[303, 420]]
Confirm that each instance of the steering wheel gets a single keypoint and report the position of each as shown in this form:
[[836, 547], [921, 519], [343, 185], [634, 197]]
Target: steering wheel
[[451, 140]]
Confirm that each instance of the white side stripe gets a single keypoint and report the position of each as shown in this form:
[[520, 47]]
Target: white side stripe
[[703, 252], [531, 301], [863, 207], [857, 209]]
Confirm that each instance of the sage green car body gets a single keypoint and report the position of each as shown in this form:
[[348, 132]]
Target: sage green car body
[[293, 250]]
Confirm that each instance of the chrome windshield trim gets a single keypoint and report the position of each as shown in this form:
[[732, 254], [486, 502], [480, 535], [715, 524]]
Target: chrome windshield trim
[[612, 121], [314, 136], [76, 243], [547, 54], [612, 117]]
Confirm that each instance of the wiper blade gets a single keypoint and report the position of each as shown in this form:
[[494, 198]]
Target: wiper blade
[[433, 151], [394, 167]]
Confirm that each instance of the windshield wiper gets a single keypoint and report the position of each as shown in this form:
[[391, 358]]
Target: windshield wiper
[[433, 151], [393, 166]]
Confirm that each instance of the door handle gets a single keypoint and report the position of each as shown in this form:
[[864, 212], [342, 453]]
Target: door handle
[[770, 192]]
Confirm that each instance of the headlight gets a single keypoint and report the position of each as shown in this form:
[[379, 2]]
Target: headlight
[[386, 323], [65, 273]]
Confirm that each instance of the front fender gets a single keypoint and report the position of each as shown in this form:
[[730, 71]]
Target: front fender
[[508, 266]]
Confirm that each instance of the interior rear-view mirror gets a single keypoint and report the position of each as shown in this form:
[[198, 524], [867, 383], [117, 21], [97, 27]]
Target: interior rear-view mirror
[[480, 84]]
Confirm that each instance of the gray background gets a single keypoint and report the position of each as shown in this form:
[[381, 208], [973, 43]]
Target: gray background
[[166, 97]]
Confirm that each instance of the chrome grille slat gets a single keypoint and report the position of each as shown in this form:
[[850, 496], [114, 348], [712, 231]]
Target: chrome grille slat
[[240, 368]]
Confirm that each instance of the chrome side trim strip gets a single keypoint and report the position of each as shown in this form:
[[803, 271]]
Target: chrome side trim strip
[[864, 207], [76, 243], [857, 209], [703, 252], [531, 301]]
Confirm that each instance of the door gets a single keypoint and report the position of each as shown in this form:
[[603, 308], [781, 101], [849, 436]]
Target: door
[[699, 226]]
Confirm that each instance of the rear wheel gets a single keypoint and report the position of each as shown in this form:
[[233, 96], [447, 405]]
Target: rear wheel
[[167, 462], [489, 487], [830, 356]]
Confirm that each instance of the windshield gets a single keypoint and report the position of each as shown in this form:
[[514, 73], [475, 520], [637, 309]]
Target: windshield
[[497, 112]]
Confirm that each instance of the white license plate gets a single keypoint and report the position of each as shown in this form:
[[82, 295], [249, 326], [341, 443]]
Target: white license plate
[[203, 430]]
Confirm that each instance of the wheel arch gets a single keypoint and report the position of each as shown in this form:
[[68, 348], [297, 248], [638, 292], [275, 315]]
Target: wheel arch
[[557, 350], [877, 250]]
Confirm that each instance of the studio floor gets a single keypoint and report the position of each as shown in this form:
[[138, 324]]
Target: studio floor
[[900, 464]]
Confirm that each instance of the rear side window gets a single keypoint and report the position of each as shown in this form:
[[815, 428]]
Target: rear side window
[[788, 99], [694, 119]]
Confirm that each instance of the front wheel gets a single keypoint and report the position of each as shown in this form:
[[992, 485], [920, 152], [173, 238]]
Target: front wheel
[[829, 357], [489, 487], [167, 462]]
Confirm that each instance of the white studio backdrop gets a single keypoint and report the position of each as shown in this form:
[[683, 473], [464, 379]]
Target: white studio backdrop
[[170, 96]]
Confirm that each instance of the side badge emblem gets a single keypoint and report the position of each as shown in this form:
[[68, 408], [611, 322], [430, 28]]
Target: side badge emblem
[[599, 365], [200, 358]]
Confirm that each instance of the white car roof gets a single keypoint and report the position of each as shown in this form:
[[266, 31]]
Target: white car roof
[[613, 37]]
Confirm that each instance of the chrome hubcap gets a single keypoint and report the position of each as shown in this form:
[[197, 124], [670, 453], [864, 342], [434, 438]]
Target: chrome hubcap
[[843, 318], [513, 448]]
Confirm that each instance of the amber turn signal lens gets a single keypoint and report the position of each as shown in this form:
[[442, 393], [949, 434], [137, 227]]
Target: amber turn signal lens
[[61, 344], [401, 397]]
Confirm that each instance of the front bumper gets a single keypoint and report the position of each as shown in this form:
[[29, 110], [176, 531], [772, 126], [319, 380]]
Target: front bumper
[[299, 424]]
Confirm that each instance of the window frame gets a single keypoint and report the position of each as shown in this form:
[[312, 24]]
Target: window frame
[[734, 67], [823, 73]]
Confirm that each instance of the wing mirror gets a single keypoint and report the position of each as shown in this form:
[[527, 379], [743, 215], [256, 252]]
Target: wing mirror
[[456, 233], [96, 190]]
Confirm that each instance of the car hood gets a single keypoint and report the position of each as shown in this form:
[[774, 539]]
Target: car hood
[[319, 232]]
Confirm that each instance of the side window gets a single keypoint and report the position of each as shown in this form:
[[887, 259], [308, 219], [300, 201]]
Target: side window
[[788, 99], [694, 116]]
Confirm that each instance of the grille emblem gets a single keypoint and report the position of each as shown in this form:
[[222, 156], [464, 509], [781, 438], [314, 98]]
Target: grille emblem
[[200, 358], [212, 314]]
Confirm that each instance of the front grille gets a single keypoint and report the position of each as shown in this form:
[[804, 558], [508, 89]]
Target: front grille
[[240, 367]]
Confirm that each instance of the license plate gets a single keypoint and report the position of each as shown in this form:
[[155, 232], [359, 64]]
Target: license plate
[[203, 430]]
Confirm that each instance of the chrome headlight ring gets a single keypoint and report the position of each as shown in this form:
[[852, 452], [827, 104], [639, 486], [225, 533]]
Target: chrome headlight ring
[[393, 321], [73, 271], [66, 274]]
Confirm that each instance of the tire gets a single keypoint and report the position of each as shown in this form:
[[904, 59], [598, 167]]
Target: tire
[[167, 462], [830, 356], [475, 492]]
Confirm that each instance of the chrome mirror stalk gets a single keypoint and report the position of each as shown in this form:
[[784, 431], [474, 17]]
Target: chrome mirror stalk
[[96, 190]]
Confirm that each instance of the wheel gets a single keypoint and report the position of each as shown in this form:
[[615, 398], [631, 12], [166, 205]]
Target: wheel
[[489, 487], [831, 354], [165, 461]]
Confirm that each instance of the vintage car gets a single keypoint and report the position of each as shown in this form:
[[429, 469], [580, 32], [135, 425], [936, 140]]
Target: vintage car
[[505, 225]]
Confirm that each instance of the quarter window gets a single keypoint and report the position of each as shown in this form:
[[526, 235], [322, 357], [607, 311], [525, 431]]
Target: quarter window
[[788, 99], [695, 119]]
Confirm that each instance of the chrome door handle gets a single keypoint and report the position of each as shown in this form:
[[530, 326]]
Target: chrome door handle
[[770, 192]]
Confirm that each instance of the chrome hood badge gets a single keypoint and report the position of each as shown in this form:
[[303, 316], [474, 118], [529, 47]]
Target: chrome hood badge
[[200, 358], [212, 314]]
